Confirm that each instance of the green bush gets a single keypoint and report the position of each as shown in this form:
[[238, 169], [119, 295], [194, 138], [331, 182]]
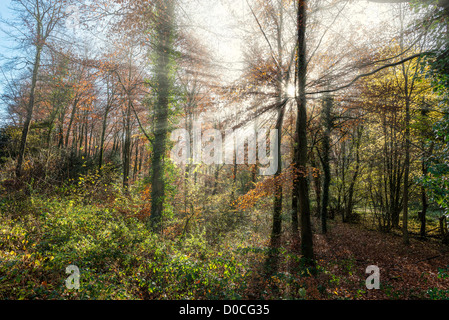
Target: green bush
[[118, 257]]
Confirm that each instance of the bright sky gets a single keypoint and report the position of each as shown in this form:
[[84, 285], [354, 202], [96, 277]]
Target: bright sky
[[3, 7], [216, 24], [4, 14]]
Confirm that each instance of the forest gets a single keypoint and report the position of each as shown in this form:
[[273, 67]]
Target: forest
[[224, 150]]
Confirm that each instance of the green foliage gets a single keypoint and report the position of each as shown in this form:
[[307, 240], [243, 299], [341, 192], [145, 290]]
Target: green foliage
[[435, 26], [118, 257], [437, 181], [438, 294], [185, 274], [443, 273]]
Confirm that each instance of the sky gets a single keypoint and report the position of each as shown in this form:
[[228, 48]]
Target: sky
[[215, 23], [3, 7], [4, 14]]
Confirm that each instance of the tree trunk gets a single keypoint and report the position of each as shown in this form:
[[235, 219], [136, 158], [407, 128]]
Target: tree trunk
[[406, 174], [86, 135], [61, 136], [234, 174], [91, 140], [422, 214], [102, 138], [327, 122], [127, 146], [425, 203], [316, 184], [136, 159], [350, 204], [164, 38], [405, 197], [216, 176], [69, 127], [29, 114], [276, 230], [301, 133]]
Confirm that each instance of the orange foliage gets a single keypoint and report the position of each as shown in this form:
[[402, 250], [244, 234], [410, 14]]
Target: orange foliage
[[266, 187], [145, 210]]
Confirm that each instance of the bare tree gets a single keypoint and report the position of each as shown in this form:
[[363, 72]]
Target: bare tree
[[40, 18]]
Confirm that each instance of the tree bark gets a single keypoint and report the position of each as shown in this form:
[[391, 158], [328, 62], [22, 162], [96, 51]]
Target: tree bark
[[327, 122], [317, 185], [350, 204], [30, 110], [276, 231], [164, 30], [69, 127], [301, 133], [127, 146], [102, 138], [405, 197]]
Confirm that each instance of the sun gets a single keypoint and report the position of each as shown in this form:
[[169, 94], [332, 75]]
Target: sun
[[290, 90]]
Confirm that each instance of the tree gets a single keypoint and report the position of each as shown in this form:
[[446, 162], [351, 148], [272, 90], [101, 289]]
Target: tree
[[41, 18], [327, 126], [131, 81], [301, 188], [436, 180], [164, 38], [111, 92]]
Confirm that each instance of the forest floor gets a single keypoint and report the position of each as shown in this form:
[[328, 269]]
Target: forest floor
[[120, 258], [417, 271]]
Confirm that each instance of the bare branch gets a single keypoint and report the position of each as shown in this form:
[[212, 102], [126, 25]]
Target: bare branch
[[418, 55]]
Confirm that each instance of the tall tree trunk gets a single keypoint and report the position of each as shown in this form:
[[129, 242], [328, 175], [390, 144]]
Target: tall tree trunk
[[91, 140], [127, 147], [234, 173], [276, 230], [425, 205], [62, 116], [75, 140], [69, 127], [295, 192], [216, 176], [86, 135], [164, 38], [405, 198], [301, 133], [327, 123], [342, 192], [142, 154], [81, 138], [102, 138], [350, 204], [29, 114], [136, 159], [127, 129], [275, 240], [316, 183], [61, 136]]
